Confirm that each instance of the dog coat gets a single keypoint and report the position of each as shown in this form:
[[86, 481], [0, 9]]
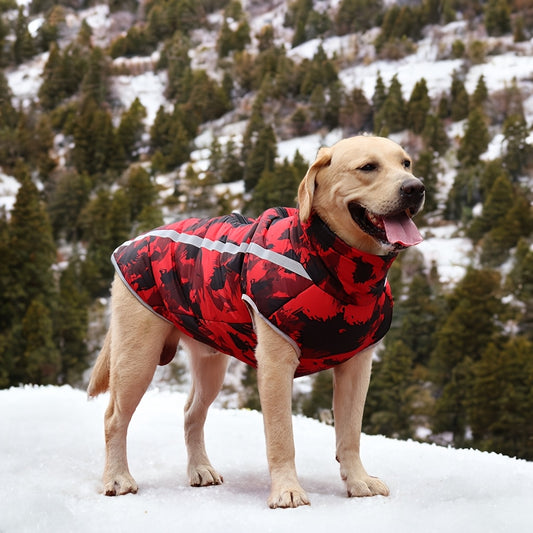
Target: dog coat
[[329, 300]]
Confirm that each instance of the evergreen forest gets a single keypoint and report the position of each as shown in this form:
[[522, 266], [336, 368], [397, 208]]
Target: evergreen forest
[[89, 171]]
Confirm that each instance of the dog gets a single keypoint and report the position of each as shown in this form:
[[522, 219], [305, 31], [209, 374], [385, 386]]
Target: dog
[[292, 292]]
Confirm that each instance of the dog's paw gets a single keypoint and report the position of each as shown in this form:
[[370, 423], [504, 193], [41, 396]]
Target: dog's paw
[[120, 484], [288, 498], [203, 476], [368, 486]]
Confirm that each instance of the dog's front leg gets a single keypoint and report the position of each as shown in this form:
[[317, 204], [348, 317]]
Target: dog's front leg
[[351, 385], [276, 363]]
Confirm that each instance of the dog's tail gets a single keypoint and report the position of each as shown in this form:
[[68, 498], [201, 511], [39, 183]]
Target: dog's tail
[[99, 381]]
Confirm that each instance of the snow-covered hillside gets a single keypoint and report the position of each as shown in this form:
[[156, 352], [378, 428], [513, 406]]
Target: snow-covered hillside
[[51, 458], [505, 61]]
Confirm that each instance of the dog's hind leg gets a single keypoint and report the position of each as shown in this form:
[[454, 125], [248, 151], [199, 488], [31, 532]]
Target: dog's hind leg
[[208, 368], [138, 337]]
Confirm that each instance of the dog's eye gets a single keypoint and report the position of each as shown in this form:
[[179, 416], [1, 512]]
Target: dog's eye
[[369, 167], [407, 163]]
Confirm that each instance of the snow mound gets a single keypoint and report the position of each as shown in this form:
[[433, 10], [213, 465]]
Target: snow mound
[[51, 450]]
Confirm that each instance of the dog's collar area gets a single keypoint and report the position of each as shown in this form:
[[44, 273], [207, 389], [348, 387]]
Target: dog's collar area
[[347, 273], [325, 238]]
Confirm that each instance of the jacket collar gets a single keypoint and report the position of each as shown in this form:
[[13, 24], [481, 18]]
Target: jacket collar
[[348, 274]]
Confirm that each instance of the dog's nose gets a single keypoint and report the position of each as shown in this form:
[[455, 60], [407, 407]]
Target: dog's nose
[[412, 190]]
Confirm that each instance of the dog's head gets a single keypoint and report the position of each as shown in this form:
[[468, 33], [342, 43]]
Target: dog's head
[[363, 188]]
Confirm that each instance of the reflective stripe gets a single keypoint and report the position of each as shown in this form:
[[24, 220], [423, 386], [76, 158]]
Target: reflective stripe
[[226, 247]]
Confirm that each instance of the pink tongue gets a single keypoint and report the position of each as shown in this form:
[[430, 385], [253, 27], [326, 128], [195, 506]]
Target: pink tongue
[[401, 229]]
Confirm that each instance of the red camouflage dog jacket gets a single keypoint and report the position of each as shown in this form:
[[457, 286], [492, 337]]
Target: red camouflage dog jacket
[[330, 301]]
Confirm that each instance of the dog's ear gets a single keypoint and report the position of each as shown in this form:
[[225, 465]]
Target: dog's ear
[[306, 191]]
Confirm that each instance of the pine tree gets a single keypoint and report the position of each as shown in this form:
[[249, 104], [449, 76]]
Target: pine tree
[[71, 322], [131, 128], [499, 201], [356, 113], [443, 108], [85, 35], [475, 140], [8, 122], [175, 58], [497, 17], [459, 100], [136, 42], [66, 202], [333, 105], [96, 149], [63, 74], [4, 32], [228, 39], [357, 15], [170, 139], [321, 395], [24, 45], [249, 397], [392, 115], [8, 114], [421, 315], [140, 191], [519, 33], [433, 11], [261, 158], [231, 167], [481, 93], [276, 187], [51, 90], [94, 85], [319, 71], [501, 399], [418, 107], [31, 142], [317, 104], [297, 17], [5, 280], [520, 283], [518, 153], [427, 168], [41, 358], [29, 292], [434, 135], [465, 193], [107, 224], [379, 96], [300, 122], [207, 100], [471, 324], [516, 223], [32, 250], [392, 392], [6, 360]]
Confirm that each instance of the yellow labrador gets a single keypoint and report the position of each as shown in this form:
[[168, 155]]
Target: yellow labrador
[[309, 292]]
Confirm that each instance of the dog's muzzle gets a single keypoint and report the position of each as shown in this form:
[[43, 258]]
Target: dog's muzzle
[[412, 195], [395, 228]]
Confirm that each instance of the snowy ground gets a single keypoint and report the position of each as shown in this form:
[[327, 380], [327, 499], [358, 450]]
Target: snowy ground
[[51, 457]]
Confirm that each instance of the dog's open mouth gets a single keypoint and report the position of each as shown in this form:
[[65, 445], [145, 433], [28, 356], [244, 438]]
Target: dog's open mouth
[[397, 229]]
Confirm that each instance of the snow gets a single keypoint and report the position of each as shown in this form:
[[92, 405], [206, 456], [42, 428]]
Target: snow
[[52, 457], [450, 254], [308, 146], [149, 87], [9, 187], [409, 71], [25, 80]]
